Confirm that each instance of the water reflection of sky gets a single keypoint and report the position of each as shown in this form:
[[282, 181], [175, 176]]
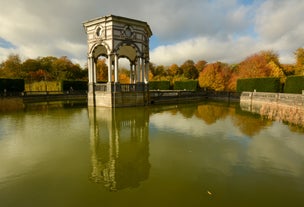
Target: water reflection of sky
[[193, 126], [275, 148]]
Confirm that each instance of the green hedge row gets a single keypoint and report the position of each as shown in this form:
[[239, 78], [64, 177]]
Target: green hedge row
[[11, 85], [74, 85], [159, 85], [190, 85], [294, 84], [259, 84]]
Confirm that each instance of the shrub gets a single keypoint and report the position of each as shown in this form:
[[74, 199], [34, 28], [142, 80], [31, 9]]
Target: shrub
[[159, 85], [294, 84], [190, 85], [75, 85], [43, 86], [259, 84], [11, 85]]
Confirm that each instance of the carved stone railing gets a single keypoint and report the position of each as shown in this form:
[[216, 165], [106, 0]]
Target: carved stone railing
[[117, 87], [101, 87]]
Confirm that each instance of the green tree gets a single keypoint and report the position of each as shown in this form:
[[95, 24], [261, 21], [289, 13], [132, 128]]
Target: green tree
[[31, 65], [47, 63], [60, 67], [76, 73], [189, 69], [200, 65]]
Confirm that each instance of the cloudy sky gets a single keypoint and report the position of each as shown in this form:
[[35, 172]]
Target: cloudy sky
[[211, 30]]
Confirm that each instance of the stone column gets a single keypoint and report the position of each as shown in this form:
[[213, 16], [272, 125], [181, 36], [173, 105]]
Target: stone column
[[116, 68], [109, 68], [94, 71], [147, 71], [131, 74], [138, 70], [90, 71], [135, 72], [92, 79], [143, 70]]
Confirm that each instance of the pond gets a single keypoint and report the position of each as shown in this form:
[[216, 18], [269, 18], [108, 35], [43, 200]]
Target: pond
[[198, 154]]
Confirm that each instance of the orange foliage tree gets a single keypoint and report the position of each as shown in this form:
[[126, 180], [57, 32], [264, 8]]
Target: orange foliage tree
[[124, 76], [215, 76], [257, 65], [102, 70], [299, 53]]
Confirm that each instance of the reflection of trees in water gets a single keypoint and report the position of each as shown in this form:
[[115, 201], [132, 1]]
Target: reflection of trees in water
[[250, 124], [295, 128], [11, 104], [211, 112], [120, 147], [288, 114], [187, 112], [293, 116]]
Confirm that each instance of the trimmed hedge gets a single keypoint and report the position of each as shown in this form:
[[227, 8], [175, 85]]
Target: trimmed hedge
[[11, 85], [159, 85], [294, 84], [259, 84], [190, 85], [74, 85], [43, 86]]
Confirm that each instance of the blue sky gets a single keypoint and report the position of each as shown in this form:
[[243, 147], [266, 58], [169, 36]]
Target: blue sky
[[211, 30]]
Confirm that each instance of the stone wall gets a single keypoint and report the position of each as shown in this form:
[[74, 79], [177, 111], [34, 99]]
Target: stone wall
[[275, 106]]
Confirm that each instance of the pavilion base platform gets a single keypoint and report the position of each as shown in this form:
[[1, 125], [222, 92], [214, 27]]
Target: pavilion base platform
[[119, 95]]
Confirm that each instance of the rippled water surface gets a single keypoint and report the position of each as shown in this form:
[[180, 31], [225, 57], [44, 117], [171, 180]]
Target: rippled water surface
[[204, 154]]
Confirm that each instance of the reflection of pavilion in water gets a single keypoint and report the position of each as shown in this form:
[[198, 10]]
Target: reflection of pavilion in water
[[120, 146]]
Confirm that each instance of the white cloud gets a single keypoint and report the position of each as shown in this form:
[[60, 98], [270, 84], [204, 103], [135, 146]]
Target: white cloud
[[224, 30], [280, 26], [205, 48]]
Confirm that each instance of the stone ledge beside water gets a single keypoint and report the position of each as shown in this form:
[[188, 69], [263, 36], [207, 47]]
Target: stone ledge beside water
[[275, 106]]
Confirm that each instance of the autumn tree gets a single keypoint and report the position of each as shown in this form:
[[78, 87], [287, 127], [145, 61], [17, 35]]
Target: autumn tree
[[288, 69], [34, 70], [158, 72], [38, 75], [256, 65], [124, 76], [276, 71], [11, 68], [215, 76], [299, 53], [173, 70], [102, 70]]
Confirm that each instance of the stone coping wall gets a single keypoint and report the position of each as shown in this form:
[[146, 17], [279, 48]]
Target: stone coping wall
[[275, 106]]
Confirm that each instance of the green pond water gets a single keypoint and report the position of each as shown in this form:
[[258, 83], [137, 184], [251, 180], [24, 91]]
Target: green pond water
[[199, 154]]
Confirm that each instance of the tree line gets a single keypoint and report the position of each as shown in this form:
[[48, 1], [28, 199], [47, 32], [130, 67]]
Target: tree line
[[42, 69], [221, 76], [218, 76]]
